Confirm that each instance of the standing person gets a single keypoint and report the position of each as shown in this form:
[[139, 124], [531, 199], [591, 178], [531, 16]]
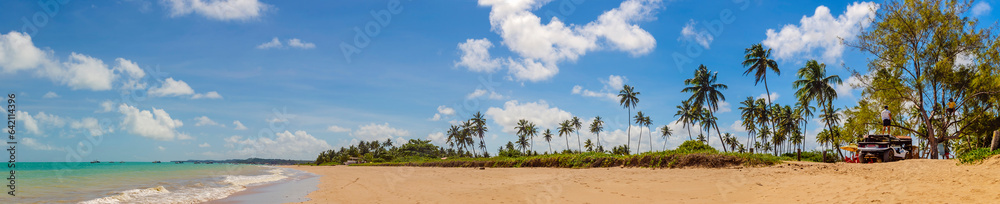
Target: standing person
[[886, 119], [951, 107]]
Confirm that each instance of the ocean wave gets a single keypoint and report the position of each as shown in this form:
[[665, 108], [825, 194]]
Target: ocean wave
[[193, 193]]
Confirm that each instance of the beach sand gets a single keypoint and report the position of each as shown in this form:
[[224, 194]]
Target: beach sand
[[910, 181]]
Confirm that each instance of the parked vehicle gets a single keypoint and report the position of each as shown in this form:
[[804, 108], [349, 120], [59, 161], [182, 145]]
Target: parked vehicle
[[885, 148]]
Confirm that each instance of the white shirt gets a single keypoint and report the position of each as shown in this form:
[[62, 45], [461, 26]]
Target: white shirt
[[885, 114]]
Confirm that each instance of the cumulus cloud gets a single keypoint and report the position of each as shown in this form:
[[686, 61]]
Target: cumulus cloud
[[171, 87], [106, 106], [541, 47], [133, 73], [846, 89], [437, 138], [90, 125], [50, 95], [293, 43], [35, 145], [476, 56], [726, 107], [34, 124], [239, 125], [205, 145], [821, 32], [223, 10], [209, 95], [17, 53], [774, 96], [334, 128], [204, 120], [30, 124], [298, 145], [483, 92], [537, 112], [155, 124], [690, 33], [609, 91], [442, 111], [274, 43], [296, 43], [981, 8], [378, 132]]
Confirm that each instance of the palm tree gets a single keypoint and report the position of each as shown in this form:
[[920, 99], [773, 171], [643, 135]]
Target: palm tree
[[804, 112], [686, 112], [758, 61], [647, 122], [548, 138], [454, 136], [731, 140], [748, 111], [467, 136], [813, 84], [665, 132], [640, 119], [589, 145], [522, 143], [705, 92], [596, 127], [532, 131], [565, 128], [575, 122], [707, 122], [628, 99], [480, 128], [831, 118], [763, 117]]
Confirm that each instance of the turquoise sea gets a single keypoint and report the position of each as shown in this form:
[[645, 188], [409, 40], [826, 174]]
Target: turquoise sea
[[137, 182]]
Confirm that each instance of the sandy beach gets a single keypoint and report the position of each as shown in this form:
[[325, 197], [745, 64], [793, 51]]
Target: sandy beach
[[910, 181]]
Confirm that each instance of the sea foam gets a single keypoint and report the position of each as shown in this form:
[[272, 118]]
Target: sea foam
[[195, 193]]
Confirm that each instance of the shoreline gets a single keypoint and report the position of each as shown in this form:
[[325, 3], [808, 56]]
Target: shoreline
[[290, 190], [920, 181]]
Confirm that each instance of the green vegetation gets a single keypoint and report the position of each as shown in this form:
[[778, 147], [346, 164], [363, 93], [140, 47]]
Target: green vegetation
[[664, 159], [977, 155]]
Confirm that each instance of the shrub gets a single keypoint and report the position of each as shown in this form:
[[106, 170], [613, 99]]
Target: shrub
[[695, 146], [977, 155]]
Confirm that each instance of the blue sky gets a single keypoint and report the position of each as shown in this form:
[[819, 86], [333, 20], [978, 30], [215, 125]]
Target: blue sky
[[196, 79]]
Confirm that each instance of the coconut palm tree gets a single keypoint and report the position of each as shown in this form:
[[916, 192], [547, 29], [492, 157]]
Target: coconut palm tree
[[532, 132], [565, 129], [763, 118], [831, 118], [522, 143], [596, 127], [758, 60], [628, 98], [589, 145], [707, 93], [479, 124], [707, 122], [548, 138], [687, 116], [731, 140], [454, 137], [665, 132], [575, 122], [804, 112], [467, 136], [748, 112], [647, 122], [640, 119], [813, 84]]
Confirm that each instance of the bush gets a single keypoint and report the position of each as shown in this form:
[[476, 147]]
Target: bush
[[977, 155], [695, 146]]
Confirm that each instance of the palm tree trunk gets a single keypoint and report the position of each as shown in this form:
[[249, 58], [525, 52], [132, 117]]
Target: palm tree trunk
[[629, 139], [639, 143], [712, 115], [650, 134], [567, 142], [689, 133], [550, 148], [578, 140], [664, 144]]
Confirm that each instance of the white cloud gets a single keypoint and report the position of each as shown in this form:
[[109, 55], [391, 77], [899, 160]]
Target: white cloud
[[34, 124], [981, 8], [437, 138], [171, 87], [205, 145], [476, 56], [161, 148], [17, 52], [29, 123], [442, 111], [737, 127], [702, 37], [609, 91], [91, 125], [483, 92], [155, 124], [223, 10], [274, 43], [774, 96], [725, 107], [334, 128], [378, 132], [106, 106], [845, 89], [132, 71], [239, 125], [209, 95], [83, 72], [541, 47], [821, 31], [537, 112], [50, 95], [298, 145], [204, 120], [34, 144], [296, 43]]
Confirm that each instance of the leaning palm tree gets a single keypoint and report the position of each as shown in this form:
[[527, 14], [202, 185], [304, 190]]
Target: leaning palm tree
[[596, 127], [548, 138], [758, 61], [813, 84], [628, 98], [665, 132], [707, 93], [748, 112], [687, 116], [565, 128], [640, 119], [479, 124], [575, 122]]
